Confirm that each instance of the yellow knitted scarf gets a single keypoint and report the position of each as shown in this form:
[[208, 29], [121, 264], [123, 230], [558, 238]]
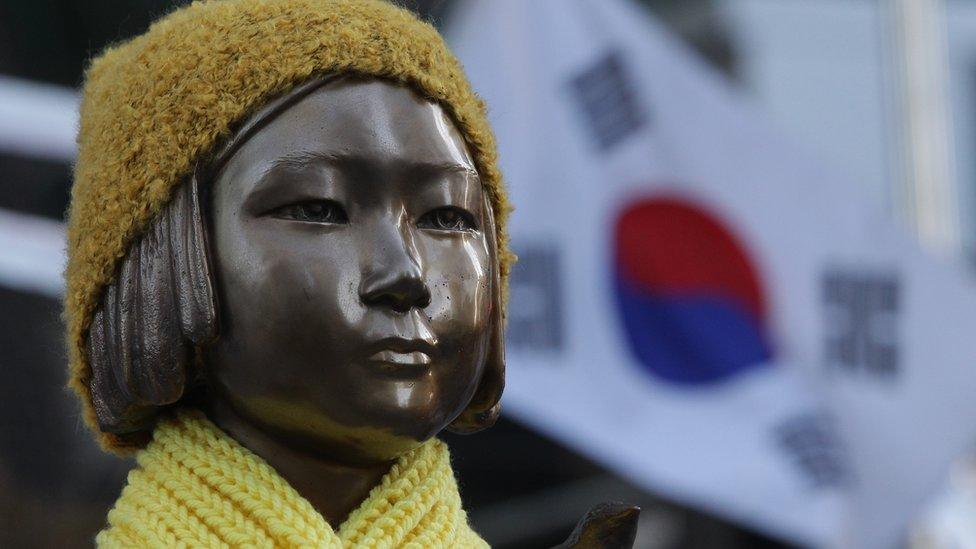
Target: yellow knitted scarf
[[197, 487]]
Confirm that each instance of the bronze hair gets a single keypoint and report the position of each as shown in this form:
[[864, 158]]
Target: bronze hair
[[158, 309]]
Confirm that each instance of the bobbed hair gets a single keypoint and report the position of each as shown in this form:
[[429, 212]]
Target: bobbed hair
[[159, 309], [144, 344]]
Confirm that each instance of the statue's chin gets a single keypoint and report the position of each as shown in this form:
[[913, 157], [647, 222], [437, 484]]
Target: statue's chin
[[308, 429]]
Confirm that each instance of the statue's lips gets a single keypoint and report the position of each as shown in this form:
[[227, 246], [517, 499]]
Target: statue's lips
[[398, 364], [401, 355], [415, 358]]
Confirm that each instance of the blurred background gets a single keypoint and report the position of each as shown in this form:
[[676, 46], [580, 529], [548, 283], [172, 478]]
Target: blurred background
[[745, 299]]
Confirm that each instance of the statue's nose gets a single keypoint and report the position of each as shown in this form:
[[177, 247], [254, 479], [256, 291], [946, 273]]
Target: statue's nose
[[394, 274]]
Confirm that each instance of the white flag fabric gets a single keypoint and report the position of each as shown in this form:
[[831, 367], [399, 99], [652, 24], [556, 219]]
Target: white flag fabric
[[698, 304]]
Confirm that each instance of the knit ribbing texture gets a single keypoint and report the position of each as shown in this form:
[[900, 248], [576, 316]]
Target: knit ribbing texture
[[197, 487], [155, 105]]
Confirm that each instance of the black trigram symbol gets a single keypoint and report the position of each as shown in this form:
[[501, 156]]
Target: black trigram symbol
[[811, 441], [607, 98], [861, 322], [535, 302]]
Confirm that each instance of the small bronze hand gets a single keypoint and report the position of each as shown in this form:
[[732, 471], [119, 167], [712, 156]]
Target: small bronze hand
[[609, 525]]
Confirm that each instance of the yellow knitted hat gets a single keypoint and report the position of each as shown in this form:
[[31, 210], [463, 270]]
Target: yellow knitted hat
[[153, 106]]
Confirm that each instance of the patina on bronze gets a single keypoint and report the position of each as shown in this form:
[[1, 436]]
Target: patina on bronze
[[329, 279]]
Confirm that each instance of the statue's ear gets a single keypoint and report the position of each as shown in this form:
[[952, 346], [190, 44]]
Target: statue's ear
[[160, 306], [485, 405]]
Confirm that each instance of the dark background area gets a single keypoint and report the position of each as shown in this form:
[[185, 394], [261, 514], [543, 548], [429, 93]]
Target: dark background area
[[520, 488]]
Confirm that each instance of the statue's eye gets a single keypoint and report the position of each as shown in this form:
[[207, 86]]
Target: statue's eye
[[314, 211], [447, 219]]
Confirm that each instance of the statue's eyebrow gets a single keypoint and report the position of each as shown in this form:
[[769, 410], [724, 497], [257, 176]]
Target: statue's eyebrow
[[300, 160]]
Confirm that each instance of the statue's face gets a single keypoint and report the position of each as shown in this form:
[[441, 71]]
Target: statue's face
[[353, 266]]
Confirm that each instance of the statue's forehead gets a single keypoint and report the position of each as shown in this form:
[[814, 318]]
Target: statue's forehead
[[370, 119]]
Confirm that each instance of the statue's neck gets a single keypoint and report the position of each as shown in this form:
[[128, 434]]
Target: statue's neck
[[335, 489]]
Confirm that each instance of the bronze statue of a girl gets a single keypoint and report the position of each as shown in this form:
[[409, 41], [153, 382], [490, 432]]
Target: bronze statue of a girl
[[287, 268]]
